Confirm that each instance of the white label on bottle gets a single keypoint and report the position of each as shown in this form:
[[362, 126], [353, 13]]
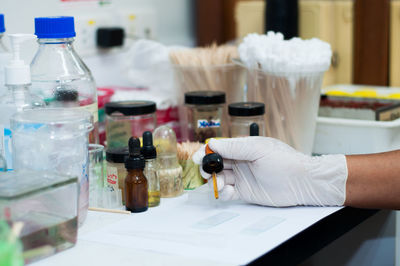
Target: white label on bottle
[[112, 177], [208, 123], [93, 109]]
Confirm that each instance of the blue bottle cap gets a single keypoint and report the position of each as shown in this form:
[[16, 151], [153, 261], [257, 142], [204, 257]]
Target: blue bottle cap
[[54, 27], [2, 27]]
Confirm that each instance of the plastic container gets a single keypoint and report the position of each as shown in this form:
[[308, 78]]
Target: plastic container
[[356, 136], [228, 78], [59, 75], [242, 115], [204, 114], [116, 171], [54, 140], [291, 101], [45, 205], [126, 119], [352, 136]]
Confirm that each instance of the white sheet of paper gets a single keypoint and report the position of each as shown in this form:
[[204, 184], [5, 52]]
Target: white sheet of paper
[[231, 233]]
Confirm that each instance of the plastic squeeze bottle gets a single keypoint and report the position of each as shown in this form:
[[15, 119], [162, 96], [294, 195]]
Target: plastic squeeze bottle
[[18, 97], [5, 55], [150, 171], [136, 188], [58, 74]]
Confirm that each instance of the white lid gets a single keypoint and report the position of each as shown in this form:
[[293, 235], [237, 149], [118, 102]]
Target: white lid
[[17, 72]]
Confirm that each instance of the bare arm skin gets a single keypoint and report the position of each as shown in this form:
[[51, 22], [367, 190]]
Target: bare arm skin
[[373, 180]]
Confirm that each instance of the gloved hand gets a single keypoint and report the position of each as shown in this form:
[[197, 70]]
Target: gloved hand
[[266, 171]]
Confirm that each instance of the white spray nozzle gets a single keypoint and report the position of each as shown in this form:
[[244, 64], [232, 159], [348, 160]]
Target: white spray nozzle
[[17, 72]]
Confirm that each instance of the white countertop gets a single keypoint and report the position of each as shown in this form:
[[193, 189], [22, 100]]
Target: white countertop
[[182, 230]]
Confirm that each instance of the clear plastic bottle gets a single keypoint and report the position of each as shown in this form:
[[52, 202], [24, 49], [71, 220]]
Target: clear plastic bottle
[[58, 74], [5, 55], [18, 96], [169, 170]]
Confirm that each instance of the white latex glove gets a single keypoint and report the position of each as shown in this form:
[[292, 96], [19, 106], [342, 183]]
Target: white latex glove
[[266, 171]]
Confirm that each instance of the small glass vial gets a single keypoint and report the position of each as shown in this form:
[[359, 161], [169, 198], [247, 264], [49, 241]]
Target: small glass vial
[[169, 171], [150, 170], [205, 110], [242, 115], [126, 119], [116, 171], [136, 187]]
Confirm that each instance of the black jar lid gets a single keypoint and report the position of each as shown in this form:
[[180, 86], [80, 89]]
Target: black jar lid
[[205, 97], [131, 107], [117, 155], [246, 109]]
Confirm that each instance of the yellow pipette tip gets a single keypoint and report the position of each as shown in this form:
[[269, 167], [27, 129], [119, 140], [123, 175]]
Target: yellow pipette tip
[[214, 178]]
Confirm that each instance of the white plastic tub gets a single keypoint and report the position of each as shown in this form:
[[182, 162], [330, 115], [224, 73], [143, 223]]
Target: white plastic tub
[[350, 136]]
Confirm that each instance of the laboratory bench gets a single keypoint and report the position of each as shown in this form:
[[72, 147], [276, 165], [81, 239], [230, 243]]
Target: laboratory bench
[[184, 232]]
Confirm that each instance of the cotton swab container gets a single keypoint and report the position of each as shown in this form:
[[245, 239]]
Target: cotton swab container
[[287, 77]]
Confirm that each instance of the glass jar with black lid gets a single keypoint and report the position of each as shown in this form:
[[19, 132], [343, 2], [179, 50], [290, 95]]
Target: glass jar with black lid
[[243, 115], [205, 109]]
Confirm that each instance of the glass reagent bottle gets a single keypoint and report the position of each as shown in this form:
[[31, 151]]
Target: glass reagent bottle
[[150, 171], [136, 187]]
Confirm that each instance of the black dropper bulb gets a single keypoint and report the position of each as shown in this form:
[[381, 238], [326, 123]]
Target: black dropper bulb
[[135, 159], [213, 163], [254, 130], [148, 150]]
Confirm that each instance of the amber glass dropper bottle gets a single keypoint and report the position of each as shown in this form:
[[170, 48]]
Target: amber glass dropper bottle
[[136, 187]]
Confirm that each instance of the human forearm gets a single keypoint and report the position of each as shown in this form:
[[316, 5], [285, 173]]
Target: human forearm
[[373, 180]]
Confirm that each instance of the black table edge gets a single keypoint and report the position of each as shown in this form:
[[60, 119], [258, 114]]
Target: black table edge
[[306, 243]]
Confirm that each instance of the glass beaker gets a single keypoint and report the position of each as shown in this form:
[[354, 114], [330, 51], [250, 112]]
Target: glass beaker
[[54, 140], [96, 174]]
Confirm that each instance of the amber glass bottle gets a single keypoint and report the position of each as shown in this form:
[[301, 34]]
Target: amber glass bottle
[[136, 187]]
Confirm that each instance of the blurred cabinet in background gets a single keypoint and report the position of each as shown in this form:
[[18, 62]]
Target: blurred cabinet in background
[[329, 20], [394, 45], [249, 18]]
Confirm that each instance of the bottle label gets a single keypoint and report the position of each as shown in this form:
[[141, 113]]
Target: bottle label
[[7, 146], [208, 123], [93, 109], [112, 178]]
